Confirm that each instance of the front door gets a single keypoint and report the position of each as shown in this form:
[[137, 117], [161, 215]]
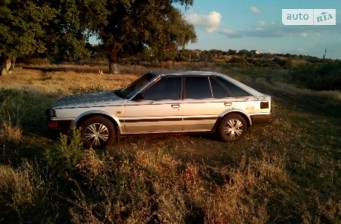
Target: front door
[[159, 110]]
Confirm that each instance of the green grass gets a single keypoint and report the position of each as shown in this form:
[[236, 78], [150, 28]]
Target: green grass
[[288, 172]]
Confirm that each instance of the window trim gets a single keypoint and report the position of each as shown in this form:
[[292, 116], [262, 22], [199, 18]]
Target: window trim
[[210, 84]]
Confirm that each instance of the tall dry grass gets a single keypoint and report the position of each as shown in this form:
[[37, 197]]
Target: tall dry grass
[[286, 173], [20, 189], [11, 115], [63, 82], [152, 188]]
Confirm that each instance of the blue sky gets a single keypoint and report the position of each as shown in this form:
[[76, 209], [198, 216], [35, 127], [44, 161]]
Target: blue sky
[[257, 25]]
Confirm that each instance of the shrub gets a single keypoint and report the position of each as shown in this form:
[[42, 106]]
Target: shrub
[[319, 76], [67, 153]]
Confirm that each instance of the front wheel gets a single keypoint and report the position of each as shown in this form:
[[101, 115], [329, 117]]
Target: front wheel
[[97, 132], [232, 128]]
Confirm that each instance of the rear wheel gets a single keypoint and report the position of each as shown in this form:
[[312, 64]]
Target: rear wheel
[[232, 128], [98, 132]]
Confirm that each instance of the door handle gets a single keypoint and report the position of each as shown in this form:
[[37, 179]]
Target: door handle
[[227, 104], [175, 106]]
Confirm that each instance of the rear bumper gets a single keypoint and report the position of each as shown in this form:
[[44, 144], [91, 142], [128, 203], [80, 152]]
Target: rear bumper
[[262, 119]]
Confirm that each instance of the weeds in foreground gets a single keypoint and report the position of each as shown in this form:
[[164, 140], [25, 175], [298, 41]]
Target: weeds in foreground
[[20, 189], [243, 199], [11, 116], [10, 133], [67, 153], [142, 187]]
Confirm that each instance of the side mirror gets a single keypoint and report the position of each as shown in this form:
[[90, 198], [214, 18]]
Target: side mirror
[[139, 97]]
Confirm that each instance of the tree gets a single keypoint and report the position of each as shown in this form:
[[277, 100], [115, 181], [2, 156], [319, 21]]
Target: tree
[[67, 34], [60, 28], [130, 26], [55, 28], [21, 28]]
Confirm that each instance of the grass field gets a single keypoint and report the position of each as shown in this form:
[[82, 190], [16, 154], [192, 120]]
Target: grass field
[[288, 172]]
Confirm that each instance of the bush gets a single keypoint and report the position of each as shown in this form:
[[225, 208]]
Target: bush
[[319, 76], [67, 153], [239, 60]]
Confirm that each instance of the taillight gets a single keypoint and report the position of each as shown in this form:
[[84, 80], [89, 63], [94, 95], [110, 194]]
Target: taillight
[[264, 105], [52, 125]]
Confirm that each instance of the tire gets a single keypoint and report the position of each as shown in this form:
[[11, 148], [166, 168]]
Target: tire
[[232, 128], [97, 132]]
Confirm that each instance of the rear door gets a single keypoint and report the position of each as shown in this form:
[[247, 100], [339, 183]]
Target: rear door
[[204, 100]]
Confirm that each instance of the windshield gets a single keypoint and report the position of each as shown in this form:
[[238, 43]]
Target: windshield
[[130, 90]]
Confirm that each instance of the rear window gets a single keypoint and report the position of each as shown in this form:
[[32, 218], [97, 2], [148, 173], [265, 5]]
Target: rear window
[[233, 89]]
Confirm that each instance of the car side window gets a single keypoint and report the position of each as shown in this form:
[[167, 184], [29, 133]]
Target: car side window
[[197, 87], [235, 90], [165, 88], [218, 91]]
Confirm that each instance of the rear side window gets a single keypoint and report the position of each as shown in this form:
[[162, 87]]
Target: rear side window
[[235, 90], [167, 88], [197, 88], [218, 91]]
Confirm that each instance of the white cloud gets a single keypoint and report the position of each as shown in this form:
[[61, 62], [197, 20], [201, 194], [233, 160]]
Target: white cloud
[[209, 23], [302, 50], [230, 33], [227, 31], [303, 34], [273, 29], [261, 23], [255, 10]]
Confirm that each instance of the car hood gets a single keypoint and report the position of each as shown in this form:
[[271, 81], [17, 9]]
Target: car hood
[[89, 100]]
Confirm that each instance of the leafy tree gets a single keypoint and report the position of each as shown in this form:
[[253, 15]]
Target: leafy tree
[[60, 28], [55, 28], [67, 35], [130, 26], [21, 28]]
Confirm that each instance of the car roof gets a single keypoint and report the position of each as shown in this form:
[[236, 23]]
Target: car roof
[[209, 73], [181, 73]]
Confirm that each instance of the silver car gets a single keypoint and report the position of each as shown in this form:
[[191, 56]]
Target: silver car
[[164, 102]]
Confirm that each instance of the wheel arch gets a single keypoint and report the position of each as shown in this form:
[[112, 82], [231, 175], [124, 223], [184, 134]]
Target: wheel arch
[[84, 116], [243, 113]]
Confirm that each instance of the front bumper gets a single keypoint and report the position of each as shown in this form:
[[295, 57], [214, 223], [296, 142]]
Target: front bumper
[[262, 119], [57, 126]]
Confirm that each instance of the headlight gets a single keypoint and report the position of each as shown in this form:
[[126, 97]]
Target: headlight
[[51, 113]]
